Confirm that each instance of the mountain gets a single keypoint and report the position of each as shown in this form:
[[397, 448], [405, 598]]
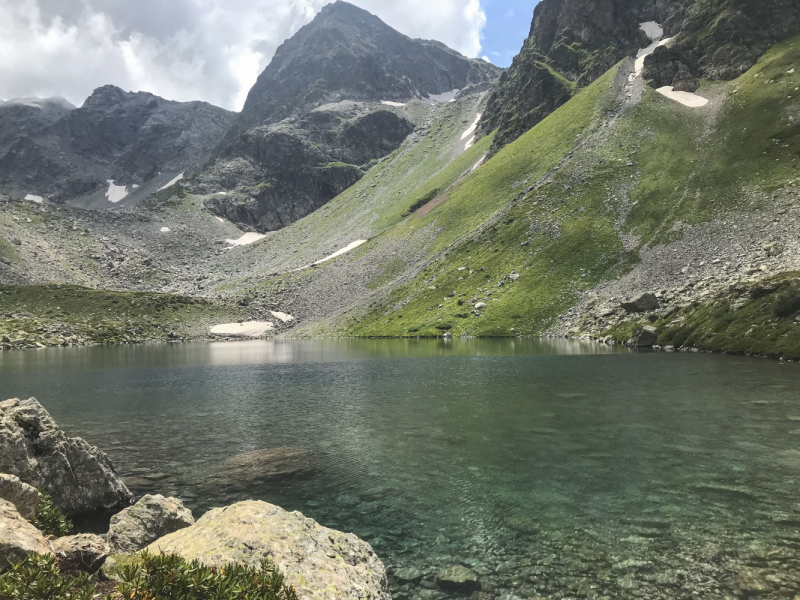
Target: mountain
[[573, 42], [51, 149], [314, 122]]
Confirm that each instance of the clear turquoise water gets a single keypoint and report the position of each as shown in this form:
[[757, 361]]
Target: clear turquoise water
[[554, 469]]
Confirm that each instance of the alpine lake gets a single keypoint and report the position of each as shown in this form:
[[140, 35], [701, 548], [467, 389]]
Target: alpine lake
[[550, 468]]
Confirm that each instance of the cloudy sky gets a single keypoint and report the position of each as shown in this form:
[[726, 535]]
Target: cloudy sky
[[210, 50]]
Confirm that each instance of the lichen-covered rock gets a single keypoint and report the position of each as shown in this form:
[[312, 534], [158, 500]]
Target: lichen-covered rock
[[78, 476], [149, 519], [322, 564], [23, 496], [84, 552], [18, 537]]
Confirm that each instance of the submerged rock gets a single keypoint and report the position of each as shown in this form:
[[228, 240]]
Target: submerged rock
[[18, 537], [322, 564], [84, 552], [262, 464], [151, 518], [23, 496], [458, 579], [78, 476]]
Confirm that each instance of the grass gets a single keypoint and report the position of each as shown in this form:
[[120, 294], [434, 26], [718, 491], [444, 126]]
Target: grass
[[60, 314], [661, 164]]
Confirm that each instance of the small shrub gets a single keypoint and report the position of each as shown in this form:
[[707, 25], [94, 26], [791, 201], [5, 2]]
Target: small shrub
[[49, 520], [38, 578], [165, 577], [787, 303]]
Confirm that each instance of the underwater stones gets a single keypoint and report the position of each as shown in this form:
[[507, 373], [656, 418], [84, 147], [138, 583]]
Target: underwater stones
[[266, 463], [751, 582], [321, 563], [78, 476], [149, 519], [84, 552], [23, 496], [726, 490], [18, 537], [644, 303], [458, 579], [408, 575]]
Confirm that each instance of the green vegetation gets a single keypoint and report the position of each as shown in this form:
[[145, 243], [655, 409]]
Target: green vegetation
[[554, 207], [66, 314], [150, 577], [49, 520], [38, 578]]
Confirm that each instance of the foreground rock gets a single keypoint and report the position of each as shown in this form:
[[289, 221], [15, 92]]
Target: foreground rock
[[18, 537], [23, 496], [78, 476], [151, 518], [458, 579], [85, 552], [320, 563], [266, 463]]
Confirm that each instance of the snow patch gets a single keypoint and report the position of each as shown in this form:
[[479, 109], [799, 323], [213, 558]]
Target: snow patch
[[220, 219], [247, 239], [685, 98], [470, 143], [165, 230], [655, 32], [395, 104], [344, 250], [115, 193], [32, 198], [472, 128], [478, 164], [282, 317], [171, 183], [250, 329], [446, 97]]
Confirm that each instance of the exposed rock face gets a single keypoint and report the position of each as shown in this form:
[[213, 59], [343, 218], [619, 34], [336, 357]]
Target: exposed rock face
[[276, 174], [62, 153], [23, 496], [573, 42], [720, 40], [320, 563], [263, 464], [18, 537], [645, 337], [149, 519], [78, 476], [84, 552], [313, 122]]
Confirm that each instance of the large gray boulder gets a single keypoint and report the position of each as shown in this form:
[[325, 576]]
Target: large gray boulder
[[18, 537], [322, 564], [23, 496], [643, 303], [84, 552], [78, 476], [151, 518], [644, 337]]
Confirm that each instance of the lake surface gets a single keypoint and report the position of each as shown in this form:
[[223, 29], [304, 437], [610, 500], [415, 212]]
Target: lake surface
[[551, 468]]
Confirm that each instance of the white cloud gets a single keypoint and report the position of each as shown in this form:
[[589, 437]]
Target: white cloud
[[209, 50]]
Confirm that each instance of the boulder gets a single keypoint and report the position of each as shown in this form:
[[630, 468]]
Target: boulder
[[322, 564], [78, 476], [644, 303], [23, 496], [140, 525], [644, 337], [263, 464], [84, 552], [18, 537], [458, 579]]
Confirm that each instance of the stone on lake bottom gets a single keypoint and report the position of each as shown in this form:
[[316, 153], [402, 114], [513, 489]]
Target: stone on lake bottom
[[458, 579]]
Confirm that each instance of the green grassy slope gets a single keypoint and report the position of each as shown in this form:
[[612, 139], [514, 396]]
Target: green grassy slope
[[599, 194]]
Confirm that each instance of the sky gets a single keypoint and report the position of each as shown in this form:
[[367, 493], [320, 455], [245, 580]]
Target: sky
[[210, 50]]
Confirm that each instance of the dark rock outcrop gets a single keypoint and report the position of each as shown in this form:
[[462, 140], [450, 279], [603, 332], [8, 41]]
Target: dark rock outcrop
[[573, 42], [78, 476], [51, 149], [312, 123]]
